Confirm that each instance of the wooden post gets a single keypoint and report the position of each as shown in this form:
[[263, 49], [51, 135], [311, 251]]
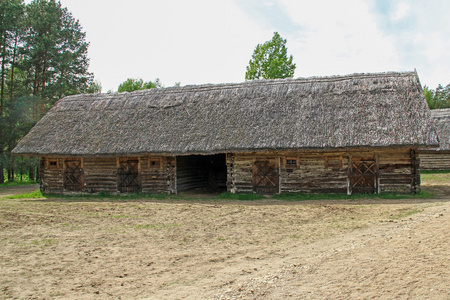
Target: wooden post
[[349, 172], [377, 174], [415, 171], [117, 174]]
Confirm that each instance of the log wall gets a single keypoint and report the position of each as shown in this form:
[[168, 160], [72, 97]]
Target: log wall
[[51, 172], [303, 171], [328, 171], [157, 174], [100, 175], [434, 160]]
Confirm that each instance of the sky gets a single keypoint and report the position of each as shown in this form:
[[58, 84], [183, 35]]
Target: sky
[[211, 41]]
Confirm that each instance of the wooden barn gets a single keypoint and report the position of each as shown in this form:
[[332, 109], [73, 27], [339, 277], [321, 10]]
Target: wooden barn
[[439, 158], [358, 133]]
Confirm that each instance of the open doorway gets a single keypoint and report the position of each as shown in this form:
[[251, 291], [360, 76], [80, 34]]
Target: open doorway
[[207, 172]]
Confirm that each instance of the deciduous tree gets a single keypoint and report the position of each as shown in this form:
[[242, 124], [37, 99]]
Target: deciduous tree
[[131, 84], [270, 60]]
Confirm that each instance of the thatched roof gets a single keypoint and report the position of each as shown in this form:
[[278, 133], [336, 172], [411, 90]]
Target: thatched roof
[[441, 118], [359, 110]]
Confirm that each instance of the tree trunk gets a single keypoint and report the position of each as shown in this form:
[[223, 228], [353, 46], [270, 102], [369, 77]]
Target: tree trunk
[[2, 44], [10, 174], [31, 173], [13, 65]]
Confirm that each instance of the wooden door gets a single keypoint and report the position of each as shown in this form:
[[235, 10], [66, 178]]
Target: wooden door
[[73, 175], [363, 176], [129, 180], [266, 176]]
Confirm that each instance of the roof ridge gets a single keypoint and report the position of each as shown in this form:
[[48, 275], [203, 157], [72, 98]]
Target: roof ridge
[[251, 83]]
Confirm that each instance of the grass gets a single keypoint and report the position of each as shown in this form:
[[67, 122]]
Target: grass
[[230, 196], [101, 195], [435, 172], [436, 176], [16, 183], [243, 196], [44, 242], [330, 196], [33, 195], [403, 213]]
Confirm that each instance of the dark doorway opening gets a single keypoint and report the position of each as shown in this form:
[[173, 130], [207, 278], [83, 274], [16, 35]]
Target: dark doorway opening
[[207, 172]]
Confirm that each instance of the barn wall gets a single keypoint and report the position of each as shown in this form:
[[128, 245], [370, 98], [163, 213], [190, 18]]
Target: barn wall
[[239, 173], [328, 171], [397, 171], [158, 174], [51, 175], [100, 175], [434, 160]]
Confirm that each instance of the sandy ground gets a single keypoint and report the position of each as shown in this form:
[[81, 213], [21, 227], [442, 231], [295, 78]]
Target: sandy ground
[[199, 248]]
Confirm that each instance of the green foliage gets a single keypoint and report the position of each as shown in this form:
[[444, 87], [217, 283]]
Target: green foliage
[[55, 52], [439, 98], [94, 87], [43, 57], [131, 85], [270, 60]]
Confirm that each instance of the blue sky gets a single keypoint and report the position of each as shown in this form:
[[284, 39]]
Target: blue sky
[[206, 41]]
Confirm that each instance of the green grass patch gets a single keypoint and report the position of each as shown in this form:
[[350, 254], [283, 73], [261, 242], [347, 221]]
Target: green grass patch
[[435, 172], [436, 177], [108, 196], [35, 194], [330, 196], [243, 196], [403, 213], [44, 242], [16, 183]]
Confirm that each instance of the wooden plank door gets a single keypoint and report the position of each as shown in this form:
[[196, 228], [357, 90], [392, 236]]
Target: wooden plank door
[[128, 172], [363, 176], [266, 176], [73, 175]]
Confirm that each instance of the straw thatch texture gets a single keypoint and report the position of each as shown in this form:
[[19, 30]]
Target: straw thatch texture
[[360, 110], [441, 118]]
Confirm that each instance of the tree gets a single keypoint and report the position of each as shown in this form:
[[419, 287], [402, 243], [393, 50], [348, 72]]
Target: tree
[[270, 60], [43, 57], [439, 98], [11, 17], [131, 84], [55, 53], [94, 88]]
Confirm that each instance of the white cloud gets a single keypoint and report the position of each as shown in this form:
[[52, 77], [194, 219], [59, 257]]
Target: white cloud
[[340, 39], [401, 11], [194, 42], [202, 41]]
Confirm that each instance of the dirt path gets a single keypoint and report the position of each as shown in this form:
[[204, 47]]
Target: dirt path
[[208, 249], [408, 259]]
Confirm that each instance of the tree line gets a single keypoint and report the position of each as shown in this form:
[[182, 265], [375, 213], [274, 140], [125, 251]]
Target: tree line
[[43, 57]]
